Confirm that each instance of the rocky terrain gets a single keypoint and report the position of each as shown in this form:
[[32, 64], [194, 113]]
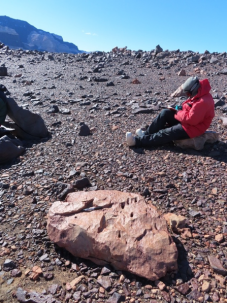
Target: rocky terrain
[[111, 93], [20, 34]]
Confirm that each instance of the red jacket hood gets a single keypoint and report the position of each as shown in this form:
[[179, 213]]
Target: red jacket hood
[[203, 89]]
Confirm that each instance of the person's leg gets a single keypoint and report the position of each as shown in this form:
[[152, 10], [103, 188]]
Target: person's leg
[[163, 136], [165, 116]]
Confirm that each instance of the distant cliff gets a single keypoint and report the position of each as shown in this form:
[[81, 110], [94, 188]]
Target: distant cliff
[[20, 34]]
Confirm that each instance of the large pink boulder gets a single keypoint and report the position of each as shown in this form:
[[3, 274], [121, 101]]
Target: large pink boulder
[[114, 227]]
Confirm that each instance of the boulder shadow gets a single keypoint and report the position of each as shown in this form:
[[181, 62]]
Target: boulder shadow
[[88, 267]]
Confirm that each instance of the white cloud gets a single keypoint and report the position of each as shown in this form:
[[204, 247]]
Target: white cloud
[[90, 34]]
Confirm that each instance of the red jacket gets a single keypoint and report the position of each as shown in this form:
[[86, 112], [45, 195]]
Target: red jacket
[[197, 113]]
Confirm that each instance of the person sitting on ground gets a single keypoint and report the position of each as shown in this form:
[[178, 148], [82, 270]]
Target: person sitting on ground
[[189, 120]]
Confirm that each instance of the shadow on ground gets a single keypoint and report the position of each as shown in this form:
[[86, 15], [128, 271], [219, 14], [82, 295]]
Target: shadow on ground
[[217, 151]]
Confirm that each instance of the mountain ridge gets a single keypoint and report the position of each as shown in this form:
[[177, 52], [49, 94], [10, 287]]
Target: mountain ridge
[[17, 33]]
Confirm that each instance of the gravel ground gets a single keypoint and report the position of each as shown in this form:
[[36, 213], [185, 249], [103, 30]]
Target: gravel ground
[[97, 89]]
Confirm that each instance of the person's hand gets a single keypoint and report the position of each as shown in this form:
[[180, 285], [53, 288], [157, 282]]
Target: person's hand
[[178, 107]]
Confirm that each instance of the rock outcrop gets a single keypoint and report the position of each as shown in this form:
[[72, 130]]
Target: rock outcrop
[[116, 228], [198, 142]]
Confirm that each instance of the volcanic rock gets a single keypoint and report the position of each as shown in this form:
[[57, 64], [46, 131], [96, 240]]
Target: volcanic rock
[[176, 223], [217, 266], [224, 71], [182, 72], [9, 265], [10, 149], [27, 125], [84, 130], [3, 71], [34, 297], [198, 142], [82, 183], [158, 49], [120, 229], [224, 121]]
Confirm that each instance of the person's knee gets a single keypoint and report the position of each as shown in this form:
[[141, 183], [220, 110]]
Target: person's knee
[[165, 112]]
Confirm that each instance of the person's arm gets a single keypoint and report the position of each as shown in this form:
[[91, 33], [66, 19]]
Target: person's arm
[[171, 107], [193, 116]]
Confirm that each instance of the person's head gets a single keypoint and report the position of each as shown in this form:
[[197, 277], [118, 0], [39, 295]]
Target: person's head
[[191, 86]]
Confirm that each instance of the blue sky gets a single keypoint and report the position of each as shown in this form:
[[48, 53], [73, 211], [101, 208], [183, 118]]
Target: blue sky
[[92, 25]]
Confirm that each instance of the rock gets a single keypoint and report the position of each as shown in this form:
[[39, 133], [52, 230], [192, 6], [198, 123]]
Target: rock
[[147, 110], [158, 49], [36, 272], [197, 143], [135, 81], [224, 121], [37, 269], [34, 297], [48, 276], [3, 71], [206, 286], [16, 272], [176, 223], [219, 238], [104, 281], [53, 109], [160, 285], [182, 72], [68, 188], [178, 92], [217, 266], [194, 213], [81, 183], [53, 289], [121, 229], [193, 59], [10, 149], [76, 281], [165, 295], [27, 125], [195, 295], [213, 60], [224, 71], [43, 258], [8, 265], [105, 271], [116, 298], [183, 288], [97, 79], [76, 296], [216, 297], [65, 111], [84, 130], [219, 102]]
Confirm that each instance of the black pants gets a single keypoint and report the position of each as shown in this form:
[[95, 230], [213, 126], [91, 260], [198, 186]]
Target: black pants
[[164, 129]]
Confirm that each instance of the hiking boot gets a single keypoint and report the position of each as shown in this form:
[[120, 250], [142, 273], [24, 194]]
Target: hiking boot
[[130, 139], [140, 133]]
